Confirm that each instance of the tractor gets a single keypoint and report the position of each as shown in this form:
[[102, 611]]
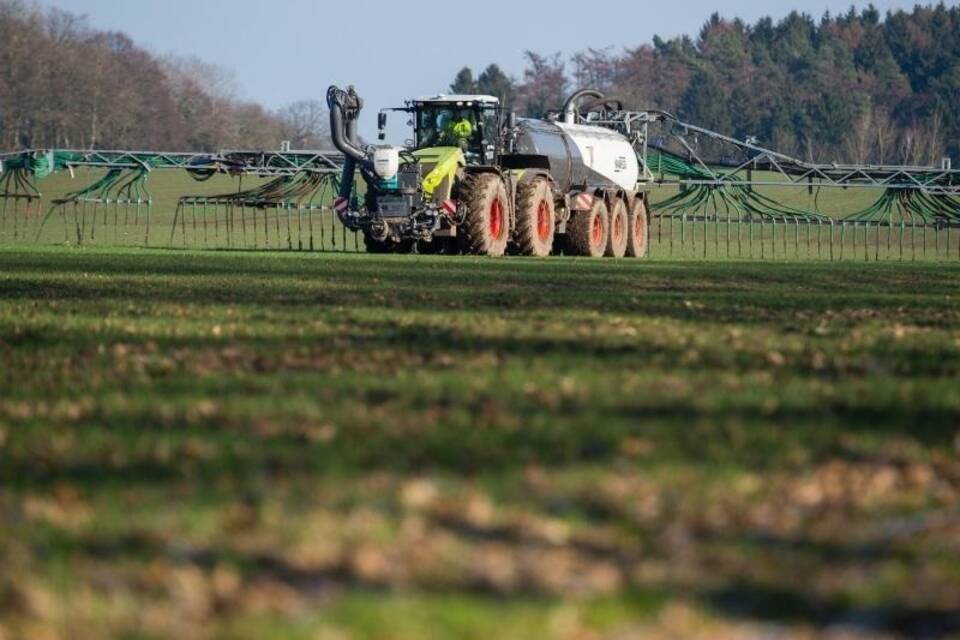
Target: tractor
[[475, 180]]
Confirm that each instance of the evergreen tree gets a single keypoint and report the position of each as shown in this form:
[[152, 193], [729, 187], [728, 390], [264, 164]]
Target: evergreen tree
[[494, 82], [464, 83], [705, 103]]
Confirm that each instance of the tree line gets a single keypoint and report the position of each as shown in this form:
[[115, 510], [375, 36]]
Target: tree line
[[64, 84], [857, 87]]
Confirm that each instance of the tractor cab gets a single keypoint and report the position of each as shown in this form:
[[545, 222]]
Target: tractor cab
[[470, 122]]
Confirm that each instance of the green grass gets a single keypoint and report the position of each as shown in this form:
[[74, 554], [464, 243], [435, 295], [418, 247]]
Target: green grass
[[278, 445]]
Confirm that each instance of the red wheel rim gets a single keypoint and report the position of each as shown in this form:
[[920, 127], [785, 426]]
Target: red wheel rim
[[543, 221], [638, 229], [496, 219], [596, 231], [617, 230]]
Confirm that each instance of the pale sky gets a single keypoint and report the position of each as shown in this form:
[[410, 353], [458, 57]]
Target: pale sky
[[286, 50]]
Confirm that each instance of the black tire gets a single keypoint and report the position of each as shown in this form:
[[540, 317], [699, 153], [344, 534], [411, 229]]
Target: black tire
[[536, 218], [638, 237], [486, 229], [617, 238], [588, 231]]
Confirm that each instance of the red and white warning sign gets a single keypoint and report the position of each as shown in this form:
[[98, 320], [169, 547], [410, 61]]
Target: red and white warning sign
[[583, 202]]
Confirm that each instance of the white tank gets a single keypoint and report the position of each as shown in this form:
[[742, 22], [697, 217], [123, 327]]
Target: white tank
[[386, 161], [606, 152]]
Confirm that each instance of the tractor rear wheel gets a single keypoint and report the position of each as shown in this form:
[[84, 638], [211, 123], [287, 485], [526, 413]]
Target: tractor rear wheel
[[536, 218], [486, 229], [639, 226], [588, 231], [617, 243]]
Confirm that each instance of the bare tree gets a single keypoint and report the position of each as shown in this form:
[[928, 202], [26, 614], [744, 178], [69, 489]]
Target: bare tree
[[859, 143], [305, 124], [544, 84], [932, 143], [885, 134], [594, 68], [908, 144], [205, 94], [64, 84]]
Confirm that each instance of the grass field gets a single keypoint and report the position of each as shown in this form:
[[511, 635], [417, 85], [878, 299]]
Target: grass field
[[251, 445]]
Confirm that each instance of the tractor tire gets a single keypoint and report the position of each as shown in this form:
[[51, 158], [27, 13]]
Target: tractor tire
[[536, 218], [639, 227], [588, 231], [486, 229], [617, 242]]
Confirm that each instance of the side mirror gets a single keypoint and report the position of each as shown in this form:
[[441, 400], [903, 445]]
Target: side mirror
[[382, 125]]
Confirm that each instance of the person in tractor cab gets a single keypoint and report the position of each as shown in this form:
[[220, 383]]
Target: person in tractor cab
[[458, 129]]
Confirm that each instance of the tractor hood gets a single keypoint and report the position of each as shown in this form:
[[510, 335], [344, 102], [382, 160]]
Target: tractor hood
[[440, 166]]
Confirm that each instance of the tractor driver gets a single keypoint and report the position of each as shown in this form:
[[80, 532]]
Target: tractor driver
[[458, 129]]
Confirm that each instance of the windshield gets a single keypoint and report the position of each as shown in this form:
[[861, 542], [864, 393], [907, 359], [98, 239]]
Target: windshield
[[449, 125]]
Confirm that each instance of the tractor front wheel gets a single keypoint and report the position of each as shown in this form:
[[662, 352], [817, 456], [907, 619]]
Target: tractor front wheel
[[536, 218], [588, 231], [486, 228]]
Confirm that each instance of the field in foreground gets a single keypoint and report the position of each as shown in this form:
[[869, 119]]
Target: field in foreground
[[335, 446]]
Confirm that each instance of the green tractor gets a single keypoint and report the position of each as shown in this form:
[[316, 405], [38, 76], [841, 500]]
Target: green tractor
[[474, 181]]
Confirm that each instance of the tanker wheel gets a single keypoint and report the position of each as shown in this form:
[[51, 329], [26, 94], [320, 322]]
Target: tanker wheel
[[617, 242], [588, 231], [536, 218], [639, 226], [486, 229]]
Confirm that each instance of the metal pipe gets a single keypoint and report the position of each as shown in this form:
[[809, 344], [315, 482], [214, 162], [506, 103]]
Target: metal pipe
[[345, 108], [570, 106]]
